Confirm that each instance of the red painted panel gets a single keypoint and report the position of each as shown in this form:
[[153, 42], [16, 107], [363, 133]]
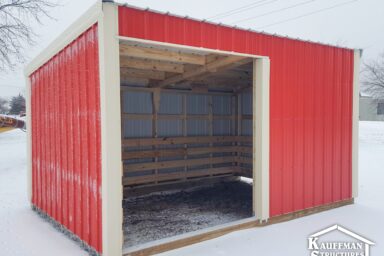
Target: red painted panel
[[71, 59], [310, 104], [239, 43], [176, 31], [193, 33], [309, 113], [66, 158], [209, 35], [156, 23], [318, 130], [224, 38]]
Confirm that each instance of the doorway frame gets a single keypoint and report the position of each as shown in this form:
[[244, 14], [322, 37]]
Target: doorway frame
[[112, 189]]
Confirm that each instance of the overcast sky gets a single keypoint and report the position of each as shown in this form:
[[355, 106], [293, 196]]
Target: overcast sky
[[350, 23]]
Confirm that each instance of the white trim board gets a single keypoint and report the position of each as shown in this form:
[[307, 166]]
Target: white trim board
[[112, 169], [355, 123], [260, 92], [29, 137], [86, 20]]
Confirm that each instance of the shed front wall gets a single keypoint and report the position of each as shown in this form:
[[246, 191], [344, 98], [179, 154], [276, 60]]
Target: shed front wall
[[311, 88], [66, 159]]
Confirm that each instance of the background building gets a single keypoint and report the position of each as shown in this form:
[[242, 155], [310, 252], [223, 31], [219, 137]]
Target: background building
[[371, 109]]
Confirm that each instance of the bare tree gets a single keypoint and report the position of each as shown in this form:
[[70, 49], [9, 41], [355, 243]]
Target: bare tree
[[373, 78], [16, 17]]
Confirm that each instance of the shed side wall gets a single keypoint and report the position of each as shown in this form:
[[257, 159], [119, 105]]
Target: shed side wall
[[66, 159], [310, 104]]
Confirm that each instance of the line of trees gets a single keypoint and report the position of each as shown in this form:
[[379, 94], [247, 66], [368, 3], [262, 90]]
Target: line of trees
[[15, 106]]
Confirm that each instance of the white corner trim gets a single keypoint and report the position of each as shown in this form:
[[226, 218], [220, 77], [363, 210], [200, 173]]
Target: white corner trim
[[86, 20], [261, 78], [355, 123], [112, 171], [29, 137]]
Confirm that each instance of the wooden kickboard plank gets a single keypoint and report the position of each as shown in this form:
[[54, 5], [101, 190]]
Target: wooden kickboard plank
[[176, 163], [143, 189], [183, 140], [184, 151], [172, 176], [131, 116]]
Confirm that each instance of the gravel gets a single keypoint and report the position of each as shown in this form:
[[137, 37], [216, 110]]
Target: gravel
[[161, 215]]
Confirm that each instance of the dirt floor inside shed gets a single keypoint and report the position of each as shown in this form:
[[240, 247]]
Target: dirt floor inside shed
[[165, 214]]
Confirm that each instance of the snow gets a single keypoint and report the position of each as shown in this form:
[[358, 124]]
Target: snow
[[22, 232]]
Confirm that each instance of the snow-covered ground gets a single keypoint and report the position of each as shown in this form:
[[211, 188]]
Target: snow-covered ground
[[22, 232]]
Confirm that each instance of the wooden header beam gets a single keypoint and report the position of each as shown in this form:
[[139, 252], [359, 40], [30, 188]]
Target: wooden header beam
[[159, 54]]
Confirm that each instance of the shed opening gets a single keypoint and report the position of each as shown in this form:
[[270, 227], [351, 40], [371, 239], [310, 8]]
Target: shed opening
[[187, 120]]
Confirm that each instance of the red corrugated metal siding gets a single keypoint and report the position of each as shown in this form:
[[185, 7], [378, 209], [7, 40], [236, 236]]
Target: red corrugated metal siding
[[66, 158], [310, 104]]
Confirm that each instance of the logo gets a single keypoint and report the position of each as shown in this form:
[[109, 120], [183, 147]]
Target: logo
[[328, 243]]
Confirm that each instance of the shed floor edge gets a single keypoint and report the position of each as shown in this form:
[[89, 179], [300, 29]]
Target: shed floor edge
[[185, 240]]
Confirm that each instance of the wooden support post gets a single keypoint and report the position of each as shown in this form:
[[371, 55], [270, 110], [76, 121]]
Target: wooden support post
[[210, 122], [185, 130], [155, 109], [239, 121], [122, 114], [233, 124]]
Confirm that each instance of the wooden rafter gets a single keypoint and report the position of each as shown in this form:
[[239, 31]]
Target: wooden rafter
[[215, 82], [214, 65], [240, 89], [127, 81], [223, 71], [162, 55], [155, 65], [141, 73]]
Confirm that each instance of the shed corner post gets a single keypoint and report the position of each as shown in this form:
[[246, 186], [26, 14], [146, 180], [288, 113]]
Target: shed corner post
[[28, 127], [112, 213], [355, 122], [261, 78]]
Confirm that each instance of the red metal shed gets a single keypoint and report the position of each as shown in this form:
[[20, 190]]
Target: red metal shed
[[304, 119]]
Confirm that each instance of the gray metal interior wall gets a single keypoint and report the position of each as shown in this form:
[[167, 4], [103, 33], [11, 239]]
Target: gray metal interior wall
[[185, 114]]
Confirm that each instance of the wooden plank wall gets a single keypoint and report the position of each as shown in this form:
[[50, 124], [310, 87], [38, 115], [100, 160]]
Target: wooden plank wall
[[167, 144]]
